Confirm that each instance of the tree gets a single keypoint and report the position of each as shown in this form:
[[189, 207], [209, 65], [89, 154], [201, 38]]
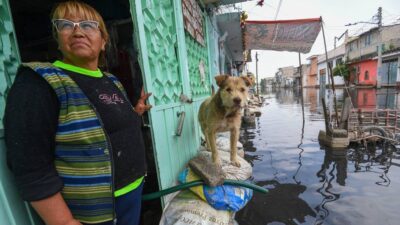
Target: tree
[[263, 85], [342, 70]]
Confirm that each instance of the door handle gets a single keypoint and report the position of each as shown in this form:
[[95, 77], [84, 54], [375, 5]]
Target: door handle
[[179, 129]]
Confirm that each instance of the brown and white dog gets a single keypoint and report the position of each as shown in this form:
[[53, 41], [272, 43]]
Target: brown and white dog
[[222, 112]]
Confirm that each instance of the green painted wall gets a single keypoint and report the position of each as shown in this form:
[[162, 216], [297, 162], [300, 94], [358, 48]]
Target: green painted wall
[[169, 61], [197, 56], [13, 211]]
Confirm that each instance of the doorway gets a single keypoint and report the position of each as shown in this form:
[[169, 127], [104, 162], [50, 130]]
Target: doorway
[[36, 43]]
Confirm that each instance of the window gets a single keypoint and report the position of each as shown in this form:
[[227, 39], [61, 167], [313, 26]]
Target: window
[[366, 75], [367, 40], [351, 46], [339, 61]]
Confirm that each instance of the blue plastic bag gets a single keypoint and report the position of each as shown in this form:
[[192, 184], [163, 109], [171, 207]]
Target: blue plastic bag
[[223, 197]]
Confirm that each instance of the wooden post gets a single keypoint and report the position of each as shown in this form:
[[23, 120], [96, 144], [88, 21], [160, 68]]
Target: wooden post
[[329, 72], [344, 117], [327, 119]]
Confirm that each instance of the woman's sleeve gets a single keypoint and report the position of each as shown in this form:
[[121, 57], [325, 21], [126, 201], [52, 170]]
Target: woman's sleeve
[[30, 124]]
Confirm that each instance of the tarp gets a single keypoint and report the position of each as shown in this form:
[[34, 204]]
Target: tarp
[[282, 35]]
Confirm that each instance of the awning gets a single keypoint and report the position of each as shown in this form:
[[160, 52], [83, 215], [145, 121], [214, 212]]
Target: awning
[[282, 35]]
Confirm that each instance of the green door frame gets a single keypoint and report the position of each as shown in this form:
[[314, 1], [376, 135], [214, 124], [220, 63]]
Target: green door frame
[[171, 151], [13, 210]]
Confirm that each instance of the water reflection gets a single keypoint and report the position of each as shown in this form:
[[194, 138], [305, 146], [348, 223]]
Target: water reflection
[[374, 98], [313, 186], [287, 96], [247, 134], [301, 139], [333, 161], [374, 160], [282, 204]]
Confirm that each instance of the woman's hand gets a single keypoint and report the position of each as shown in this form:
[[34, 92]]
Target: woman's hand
[[54, 211], [73, 222], [141, 105]]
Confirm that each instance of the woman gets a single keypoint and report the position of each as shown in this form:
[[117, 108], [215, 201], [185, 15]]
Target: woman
[[74, 141]]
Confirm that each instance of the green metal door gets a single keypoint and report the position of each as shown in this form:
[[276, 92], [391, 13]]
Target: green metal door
[[13, 210], [169, 63]]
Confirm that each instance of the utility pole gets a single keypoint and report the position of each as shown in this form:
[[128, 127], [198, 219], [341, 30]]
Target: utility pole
[[379, 66], [257, 73], [338, 38]]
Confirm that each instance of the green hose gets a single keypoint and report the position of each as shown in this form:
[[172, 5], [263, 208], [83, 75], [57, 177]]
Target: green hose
[[179, 187]]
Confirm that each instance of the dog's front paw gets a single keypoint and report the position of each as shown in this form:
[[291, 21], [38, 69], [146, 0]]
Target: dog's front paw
[[235, 163], [217, 162]]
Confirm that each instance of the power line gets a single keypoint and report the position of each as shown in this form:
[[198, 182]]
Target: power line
[[279, 8]]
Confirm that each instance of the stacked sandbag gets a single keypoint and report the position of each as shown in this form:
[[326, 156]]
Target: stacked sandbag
[[223, 143], [207, 205], [187, 209]]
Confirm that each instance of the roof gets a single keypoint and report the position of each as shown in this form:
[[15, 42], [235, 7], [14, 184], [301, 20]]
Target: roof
[[332, 54]]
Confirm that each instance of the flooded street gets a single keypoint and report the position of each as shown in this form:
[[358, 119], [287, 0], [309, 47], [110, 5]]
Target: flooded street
[[308, 184]]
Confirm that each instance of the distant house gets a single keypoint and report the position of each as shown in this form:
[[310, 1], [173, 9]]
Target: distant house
[[362, 55], [285, 76], [335, 57], [300, 75], [391, 56], [311, 78]]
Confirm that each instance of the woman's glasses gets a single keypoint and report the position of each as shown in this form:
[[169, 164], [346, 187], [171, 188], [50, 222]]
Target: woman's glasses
[[67, 27]]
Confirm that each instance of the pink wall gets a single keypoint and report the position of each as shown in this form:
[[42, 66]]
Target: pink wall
[[314, 66], [366, 67], [366, 98], [312, 75], [312, 80]]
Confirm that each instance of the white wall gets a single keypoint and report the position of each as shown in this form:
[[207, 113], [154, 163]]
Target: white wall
[[336, 79]]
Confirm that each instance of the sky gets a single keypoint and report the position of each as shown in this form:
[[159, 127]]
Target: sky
[[335, 14]]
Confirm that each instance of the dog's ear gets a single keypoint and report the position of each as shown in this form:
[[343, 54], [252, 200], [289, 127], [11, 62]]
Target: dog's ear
[[249, 82], [220, 79]]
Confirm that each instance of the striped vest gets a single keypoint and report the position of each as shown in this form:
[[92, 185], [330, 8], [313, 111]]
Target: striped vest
[[82, 154]]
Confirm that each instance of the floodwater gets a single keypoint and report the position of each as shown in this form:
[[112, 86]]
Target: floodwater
[[312, 185]]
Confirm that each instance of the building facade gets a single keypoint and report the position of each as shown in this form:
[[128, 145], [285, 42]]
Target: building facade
[[362, 56], [311, 78], [335, 57]]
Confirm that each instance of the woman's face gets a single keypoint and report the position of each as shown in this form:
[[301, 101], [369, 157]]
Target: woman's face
[[80, 46]]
